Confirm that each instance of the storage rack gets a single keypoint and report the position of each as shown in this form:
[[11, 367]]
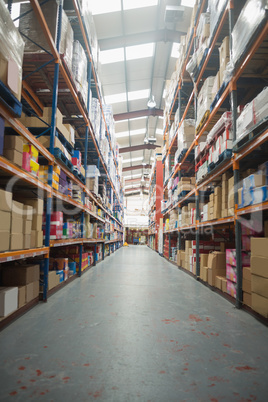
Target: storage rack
[[57, 71], [156, 195], [244, 155]]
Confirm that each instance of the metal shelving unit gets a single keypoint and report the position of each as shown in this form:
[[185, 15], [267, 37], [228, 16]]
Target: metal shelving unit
[[55, 68], [229, 91]]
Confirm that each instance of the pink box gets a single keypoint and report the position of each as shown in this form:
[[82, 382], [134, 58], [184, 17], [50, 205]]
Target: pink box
[[231, 288], [231, 273], [26, 158], [231, 257]]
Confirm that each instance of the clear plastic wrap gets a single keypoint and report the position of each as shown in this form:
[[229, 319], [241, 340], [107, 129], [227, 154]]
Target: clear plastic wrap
[[11, 47], [29, 25], [215, 7], [79, 68], [251, 16], [204, 99], [86, 12], [186, 135], [253, 113], [202, 31], [225, 122]]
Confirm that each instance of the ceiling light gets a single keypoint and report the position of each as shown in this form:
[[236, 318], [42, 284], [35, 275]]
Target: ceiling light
[[151, 102], [144, 163], [152, 139]]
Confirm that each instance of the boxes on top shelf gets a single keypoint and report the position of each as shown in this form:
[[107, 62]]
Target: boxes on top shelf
[[248, 21], [11, 52], [29, 25], [79, 69]]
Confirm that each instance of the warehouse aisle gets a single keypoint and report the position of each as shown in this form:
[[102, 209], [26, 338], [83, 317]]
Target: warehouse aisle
[[134, 328]]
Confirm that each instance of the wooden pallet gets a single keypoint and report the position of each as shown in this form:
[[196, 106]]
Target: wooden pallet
[[227, 154]]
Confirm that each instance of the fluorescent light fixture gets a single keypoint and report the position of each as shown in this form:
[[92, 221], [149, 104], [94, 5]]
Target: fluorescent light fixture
[[117, 98], [135, 95], [130, 4], [105, 6], [151, 102], [133, 159], [112, 56], [140, 51], [188, 3], [144, 163], [132, 133]]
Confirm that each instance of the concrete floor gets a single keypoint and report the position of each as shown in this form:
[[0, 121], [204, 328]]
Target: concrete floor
[[134, 328]]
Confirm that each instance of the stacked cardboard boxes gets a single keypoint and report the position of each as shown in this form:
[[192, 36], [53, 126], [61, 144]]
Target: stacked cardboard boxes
[[216, 266], [8, 300], [5, 216], [259, 275], [26, 278], [13, 149]]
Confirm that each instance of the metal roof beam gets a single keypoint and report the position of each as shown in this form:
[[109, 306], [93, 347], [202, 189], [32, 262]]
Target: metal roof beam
[[161, 35], [138, 148], [138, 113], [137, 167]]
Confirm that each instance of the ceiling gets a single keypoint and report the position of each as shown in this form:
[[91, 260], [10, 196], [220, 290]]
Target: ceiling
[[122, 30]]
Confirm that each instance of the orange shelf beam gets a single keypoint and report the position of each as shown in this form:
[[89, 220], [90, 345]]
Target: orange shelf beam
[[253, 208], [21, 254]]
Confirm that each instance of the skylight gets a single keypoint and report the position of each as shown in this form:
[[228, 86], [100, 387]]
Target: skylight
[[133, 159], [143, 94], [112, 56], [159, 131], [132, 176], [134, 118], [140, 51], [105, 6], [130, 4], [117, 98], [188, 3]]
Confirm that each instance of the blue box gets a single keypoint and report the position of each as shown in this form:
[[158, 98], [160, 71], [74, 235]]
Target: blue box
[[260, 194], [61, 275], [72, 267]]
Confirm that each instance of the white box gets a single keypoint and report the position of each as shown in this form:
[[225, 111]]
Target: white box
[[8, 300]]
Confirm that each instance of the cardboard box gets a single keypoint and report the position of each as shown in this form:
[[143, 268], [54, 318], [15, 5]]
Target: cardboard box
[[4, 240], [259, 285], [203, 260], [259, 247], [53, 279], [37, 222], [27, 212], [247, 299], [39, 239], [20, 275], [27, 227], [246, 286], [36, 203], [5, 219], [212, 273], [21, 296], [26, 241], [260, 304], [16, 224], [17, 209], [218, 282], [8, 300], [204, 273], [29, 292], [16, 241], [224, 284], [217, 260], [13, 156], [5, 200], [259, 266], [247, 273], [13, 142], [35, 289]]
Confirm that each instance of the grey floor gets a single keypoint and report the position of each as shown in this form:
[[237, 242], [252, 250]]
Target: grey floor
[[134, 328]]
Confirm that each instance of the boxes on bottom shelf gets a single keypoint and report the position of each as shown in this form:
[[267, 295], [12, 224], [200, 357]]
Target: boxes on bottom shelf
[[260, 304], [8, 300], [231, 288], [20, 275], [247, 299], [53, 279]]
